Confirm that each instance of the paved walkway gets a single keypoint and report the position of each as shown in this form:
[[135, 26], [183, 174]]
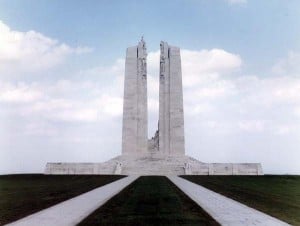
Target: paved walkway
[[73, 211], [224, 210]]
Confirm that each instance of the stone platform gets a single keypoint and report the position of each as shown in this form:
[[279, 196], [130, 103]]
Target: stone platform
[[149, 164]]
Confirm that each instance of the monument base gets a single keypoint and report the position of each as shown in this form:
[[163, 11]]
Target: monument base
[[150, 164]]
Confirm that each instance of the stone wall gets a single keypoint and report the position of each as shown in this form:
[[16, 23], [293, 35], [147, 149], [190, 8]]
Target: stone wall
[[155, 165], [79, 168]]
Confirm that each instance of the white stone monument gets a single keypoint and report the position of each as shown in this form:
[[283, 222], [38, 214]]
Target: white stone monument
[[135, 111], [163, 154], [171, 122]]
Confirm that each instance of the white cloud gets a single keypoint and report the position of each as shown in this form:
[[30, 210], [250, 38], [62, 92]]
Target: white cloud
[[283, 129], [269, 91], [198, 108], [74, 109], [207, 65], [110, 105], [63, 110], [19, 93], [234, 117], [223, 109], [252, 125], [42, 128], [85, 99], [31, 51], [116, 69], [297, 111], [218, 89], [289, 65]]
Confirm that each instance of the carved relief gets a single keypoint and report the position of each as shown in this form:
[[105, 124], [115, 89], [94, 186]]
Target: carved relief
[[162, 65], [143, 59], [161, 48], [162, 61], [144, 67]]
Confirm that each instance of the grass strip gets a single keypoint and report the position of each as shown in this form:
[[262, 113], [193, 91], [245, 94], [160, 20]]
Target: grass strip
[[24, 194], [150, 200], [278, 196]]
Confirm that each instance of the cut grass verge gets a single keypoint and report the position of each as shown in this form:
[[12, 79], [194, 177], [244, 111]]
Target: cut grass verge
[[278, 196], [24, 194], [150, 200]]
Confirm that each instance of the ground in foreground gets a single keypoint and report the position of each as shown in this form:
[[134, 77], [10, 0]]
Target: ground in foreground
[[151, 200], [278, 196], [21, 195]]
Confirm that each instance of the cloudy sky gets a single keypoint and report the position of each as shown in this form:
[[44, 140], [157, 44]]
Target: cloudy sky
[[62, 72]]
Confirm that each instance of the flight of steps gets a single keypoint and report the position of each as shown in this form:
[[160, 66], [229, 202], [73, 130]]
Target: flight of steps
[[154, 164]]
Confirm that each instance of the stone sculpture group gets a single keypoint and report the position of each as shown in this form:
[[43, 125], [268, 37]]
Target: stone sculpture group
[[164, 153]]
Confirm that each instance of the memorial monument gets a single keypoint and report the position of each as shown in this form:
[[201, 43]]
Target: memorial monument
[[135, 115], [164, 153]]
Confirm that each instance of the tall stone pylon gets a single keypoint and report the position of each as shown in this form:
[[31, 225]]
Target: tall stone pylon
[[171, 118], [135, 115]]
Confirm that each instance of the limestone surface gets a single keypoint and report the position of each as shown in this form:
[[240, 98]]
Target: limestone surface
[[135, 116], [171, 121], [155, 164]]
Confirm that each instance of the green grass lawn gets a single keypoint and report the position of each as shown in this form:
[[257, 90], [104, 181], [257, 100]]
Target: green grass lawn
[[151, 200], [278, 196], [21, 195]]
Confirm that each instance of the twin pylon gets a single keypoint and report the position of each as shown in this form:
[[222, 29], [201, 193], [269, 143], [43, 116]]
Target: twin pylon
[[164, 154], [169, 139]]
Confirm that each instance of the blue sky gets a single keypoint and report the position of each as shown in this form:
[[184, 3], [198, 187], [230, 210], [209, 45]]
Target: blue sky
[[61, 84], [260, 31]]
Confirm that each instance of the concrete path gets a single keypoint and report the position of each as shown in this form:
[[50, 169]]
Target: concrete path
[[73, 211], [224, 210]]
